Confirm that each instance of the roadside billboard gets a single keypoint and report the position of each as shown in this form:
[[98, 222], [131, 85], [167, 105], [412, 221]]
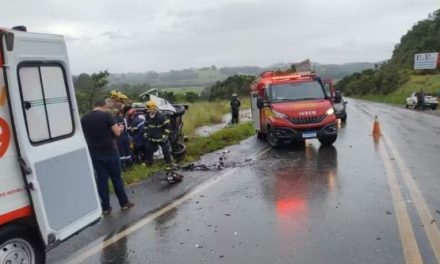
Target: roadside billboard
[[426, 61]]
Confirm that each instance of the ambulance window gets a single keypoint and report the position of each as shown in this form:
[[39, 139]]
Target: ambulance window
[[46, 104]]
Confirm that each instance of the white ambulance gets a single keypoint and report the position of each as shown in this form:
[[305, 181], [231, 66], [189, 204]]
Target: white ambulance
[[47, 187]]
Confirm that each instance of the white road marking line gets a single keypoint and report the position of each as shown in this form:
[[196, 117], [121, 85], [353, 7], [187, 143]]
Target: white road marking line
[[148, 219]]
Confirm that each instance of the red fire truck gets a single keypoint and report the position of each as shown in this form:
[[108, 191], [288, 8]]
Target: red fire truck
[[293, 107]]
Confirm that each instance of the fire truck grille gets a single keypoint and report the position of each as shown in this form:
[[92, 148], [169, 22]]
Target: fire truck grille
[[307, 120]]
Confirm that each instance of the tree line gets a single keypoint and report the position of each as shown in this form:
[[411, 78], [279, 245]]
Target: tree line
[[89, 87]]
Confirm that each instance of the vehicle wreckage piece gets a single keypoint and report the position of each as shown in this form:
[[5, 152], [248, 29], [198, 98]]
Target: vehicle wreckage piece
[[173, 176]]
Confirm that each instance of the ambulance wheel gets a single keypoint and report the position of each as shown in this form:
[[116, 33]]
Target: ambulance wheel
[[272, 139], [19, 244], [328, 140]]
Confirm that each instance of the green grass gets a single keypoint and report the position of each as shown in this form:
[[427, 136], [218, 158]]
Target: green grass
[[230, 135], [138, 172], [429, 84], [245, 102], [183, 90], [203, 113]]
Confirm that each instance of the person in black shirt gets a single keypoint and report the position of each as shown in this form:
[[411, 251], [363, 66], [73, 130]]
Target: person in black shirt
[[101, 131]]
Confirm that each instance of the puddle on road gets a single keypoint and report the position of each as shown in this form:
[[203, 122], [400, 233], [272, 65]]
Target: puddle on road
[[204, 131]]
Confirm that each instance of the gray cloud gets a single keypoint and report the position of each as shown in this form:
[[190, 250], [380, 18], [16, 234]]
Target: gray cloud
[[139, 36]]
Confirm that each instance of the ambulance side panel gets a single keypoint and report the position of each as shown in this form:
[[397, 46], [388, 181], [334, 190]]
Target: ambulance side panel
[[14, 202], [55, 157]]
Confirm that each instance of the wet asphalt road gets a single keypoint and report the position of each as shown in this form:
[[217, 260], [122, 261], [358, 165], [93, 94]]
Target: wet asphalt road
[[360, 201]]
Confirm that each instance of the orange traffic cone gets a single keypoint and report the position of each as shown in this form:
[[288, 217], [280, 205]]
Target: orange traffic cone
[[376, 127]]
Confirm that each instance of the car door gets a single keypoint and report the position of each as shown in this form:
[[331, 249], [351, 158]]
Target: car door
[[51, 148]]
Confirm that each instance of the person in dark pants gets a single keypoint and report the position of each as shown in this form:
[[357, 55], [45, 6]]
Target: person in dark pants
[[136, 122], [421, 100], [100, 131], [235, 109], [124, 140], [157, 133]]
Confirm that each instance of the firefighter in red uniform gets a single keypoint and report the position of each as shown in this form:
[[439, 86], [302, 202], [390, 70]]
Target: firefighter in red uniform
[[157, 133]]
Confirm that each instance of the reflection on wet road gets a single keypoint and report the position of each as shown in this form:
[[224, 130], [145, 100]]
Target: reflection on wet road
[[310, 204]]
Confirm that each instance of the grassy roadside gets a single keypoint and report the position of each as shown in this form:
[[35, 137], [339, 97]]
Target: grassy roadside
[[205, 113], [199, 114], [429, 84], [230, 135], [196, 147]]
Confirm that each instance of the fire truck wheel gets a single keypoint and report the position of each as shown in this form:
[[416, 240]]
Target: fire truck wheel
[[272, 139], [18, 244], [261, 135], [328, 140]]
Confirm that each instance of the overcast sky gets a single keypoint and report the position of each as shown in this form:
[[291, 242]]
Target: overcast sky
[[160, 35]]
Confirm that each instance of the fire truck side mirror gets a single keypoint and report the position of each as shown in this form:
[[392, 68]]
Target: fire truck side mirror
[[338, 97], [260, 103]]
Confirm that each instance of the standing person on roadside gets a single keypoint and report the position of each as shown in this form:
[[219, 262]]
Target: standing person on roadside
[[157, 133], [101, 131], [124, 139], [421, 100], [235, 109]]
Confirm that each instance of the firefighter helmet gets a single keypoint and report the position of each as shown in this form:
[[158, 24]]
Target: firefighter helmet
[[151, 104]]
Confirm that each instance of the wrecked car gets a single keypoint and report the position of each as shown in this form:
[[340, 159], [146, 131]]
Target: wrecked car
[[174, 112]]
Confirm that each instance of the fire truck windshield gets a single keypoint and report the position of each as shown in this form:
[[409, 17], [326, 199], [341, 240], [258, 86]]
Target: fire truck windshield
[[296, 91]]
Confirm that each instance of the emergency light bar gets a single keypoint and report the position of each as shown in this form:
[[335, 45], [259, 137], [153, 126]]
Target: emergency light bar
[[294, 76], [291, 76]]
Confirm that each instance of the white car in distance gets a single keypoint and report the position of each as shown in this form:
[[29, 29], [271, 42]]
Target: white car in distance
[[430, 101]]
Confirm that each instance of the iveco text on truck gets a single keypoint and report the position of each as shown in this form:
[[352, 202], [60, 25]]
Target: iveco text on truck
[[292, 107], [47, 187]]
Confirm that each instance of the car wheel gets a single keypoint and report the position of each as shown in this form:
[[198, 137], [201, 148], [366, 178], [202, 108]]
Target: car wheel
[[406, 106], [19, 245], [272, 139], [327, 140], [178, 151], [434, 107]]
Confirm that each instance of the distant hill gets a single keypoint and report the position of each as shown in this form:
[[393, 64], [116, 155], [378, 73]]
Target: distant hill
[[393, 74], [210, 75]]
